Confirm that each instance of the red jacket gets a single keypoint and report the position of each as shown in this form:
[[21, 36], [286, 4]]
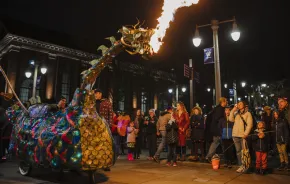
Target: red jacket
[[106, 111]]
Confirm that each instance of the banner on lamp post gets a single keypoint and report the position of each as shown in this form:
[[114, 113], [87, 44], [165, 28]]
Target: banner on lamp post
[[208, 55]]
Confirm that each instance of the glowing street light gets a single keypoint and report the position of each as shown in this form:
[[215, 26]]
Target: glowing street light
[[28, 74], [183, 89], [264, 85], [208, 89], [239, 99], [231, 99], [226, 85], [243, 84], [170, 90], [235, 32]]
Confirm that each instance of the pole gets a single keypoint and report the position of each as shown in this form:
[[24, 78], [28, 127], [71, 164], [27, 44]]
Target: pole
[[176, 93], [213, 97], [191, 84], [215, 27], [235, 92], [35, 80]]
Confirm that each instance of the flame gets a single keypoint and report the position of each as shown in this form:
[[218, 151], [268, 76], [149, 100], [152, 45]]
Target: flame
[[169, 8]]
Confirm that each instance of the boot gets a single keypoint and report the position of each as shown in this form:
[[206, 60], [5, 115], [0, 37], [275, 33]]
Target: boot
[[287, 167], [132, 157], [263, 171], [282, 167], [258, 171], [183, 157]]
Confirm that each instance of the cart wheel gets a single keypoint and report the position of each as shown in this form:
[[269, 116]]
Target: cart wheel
[[24, 168], [92, 177]]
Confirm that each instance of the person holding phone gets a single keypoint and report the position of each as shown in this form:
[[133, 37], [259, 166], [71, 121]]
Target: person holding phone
[[243, 124]]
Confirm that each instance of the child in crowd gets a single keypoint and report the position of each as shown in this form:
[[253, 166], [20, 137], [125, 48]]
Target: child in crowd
[[131, 140], [282, 139], [171, 140], [261, 148], [197, 134], [227, 139]]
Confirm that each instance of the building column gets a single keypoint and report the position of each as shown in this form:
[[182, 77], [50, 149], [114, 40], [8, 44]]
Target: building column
[[50, 76], [128, 93], [12, 70]]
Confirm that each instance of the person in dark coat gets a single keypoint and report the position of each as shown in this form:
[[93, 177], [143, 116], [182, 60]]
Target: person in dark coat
[[261, 148], [151, 124], [215, 128], [171, 141], [197, 133], [227, 138], [5, 133], [139, 124], [282, 139]]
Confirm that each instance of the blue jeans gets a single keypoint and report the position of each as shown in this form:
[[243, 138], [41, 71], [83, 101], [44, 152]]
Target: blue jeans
[[217, 140], [171, 152], [239, 146], [162, 144]]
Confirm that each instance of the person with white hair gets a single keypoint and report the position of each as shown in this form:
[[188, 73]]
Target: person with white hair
[[151, 123]]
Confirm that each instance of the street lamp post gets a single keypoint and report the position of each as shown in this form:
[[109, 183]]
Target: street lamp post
[[28, 74], [197, 40]]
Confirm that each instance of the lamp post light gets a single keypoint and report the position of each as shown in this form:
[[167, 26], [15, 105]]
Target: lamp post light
[[28, 74], [197, 40], [170, 90], [226, 85], [183, 89], [239, 99], [264, 85], [243, 84], [208, 89]]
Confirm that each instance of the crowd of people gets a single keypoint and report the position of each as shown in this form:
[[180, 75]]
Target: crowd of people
[[226, 130]]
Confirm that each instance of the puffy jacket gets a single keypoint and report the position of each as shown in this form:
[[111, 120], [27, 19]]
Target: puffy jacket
[[282, 131], [227, 128], [131, 134], [240, 128], [171, 133], [197, 127], [260, 144]]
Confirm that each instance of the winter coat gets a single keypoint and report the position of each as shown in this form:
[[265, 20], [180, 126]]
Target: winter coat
[[182, 122], [197, 127], [163, 120], [227, 128], [240, 128], [131, 134], [285, 114], [171, 133], [139, 124], [260, 145], [268, 120], [218, 114], [281, 131], [208, 120], [151, 127]]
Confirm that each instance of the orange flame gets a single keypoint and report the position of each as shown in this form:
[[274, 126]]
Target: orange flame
[[169, 8]]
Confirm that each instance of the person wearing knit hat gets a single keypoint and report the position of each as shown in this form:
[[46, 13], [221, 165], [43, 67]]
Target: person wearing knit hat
[[284, 113]]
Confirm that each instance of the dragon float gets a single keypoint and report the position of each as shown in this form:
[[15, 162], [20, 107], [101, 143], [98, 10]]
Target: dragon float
[[77, 138]]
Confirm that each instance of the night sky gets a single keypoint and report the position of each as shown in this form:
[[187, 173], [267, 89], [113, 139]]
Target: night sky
[[261, 54]]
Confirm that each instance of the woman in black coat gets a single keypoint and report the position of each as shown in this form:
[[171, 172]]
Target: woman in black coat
[[197, 132]]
